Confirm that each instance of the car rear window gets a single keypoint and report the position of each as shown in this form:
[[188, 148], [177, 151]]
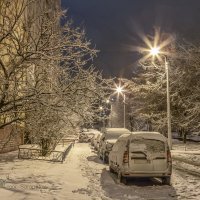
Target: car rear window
[[149, 145]]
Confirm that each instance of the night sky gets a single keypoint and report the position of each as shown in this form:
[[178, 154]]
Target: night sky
[[115, 25]]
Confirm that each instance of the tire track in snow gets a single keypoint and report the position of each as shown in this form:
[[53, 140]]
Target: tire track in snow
[[187, 186], [187, 167], [188, 171], [92, 170], [103, 187]]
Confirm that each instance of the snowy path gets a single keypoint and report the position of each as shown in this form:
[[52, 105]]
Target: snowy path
[[83, 177], [34, 179]]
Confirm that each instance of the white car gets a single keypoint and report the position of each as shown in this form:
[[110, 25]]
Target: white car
[[86, 135], [141, 154], [108, 139]]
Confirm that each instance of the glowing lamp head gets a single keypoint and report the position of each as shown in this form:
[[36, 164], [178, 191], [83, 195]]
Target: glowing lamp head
[[119, 90], [154, 51]]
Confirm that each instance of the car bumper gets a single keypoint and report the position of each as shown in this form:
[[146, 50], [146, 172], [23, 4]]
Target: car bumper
[[166, 173]]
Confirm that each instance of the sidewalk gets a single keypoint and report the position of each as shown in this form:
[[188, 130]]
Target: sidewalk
[[38, 179]]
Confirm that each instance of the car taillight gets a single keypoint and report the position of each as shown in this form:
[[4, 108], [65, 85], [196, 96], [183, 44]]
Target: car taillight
[[125, 157], [169, 158]]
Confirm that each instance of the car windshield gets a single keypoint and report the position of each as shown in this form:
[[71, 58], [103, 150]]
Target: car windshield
[[149, 145]]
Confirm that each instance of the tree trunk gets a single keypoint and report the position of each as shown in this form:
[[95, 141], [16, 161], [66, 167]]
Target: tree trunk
[[184, 137]]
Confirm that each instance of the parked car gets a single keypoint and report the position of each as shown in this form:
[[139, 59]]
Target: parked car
[[108, 139], [83, 137], [141, 154], [87, 135]]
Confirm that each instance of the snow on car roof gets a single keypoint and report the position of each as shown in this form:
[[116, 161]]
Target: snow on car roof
[[117, 130], [145, 134], [114, 133], [149, 135], [112, 141]]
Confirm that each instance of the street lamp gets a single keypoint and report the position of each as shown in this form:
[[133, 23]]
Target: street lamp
[[155, 51], [119, 90], [108, 102]]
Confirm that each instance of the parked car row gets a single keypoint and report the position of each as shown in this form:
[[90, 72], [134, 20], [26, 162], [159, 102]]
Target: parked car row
[[107, 140], [87, 135], [134, 154]]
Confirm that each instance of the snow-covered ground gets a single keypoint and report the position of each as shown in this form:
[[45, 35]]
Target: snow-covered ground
[[84, 177], [186, 164]]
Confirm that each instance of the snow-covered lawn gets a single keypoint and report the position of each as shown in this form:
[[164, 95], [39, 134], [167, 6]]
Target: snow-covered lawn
[[84, 177], [189, 146], [35, 179], [186, 162]]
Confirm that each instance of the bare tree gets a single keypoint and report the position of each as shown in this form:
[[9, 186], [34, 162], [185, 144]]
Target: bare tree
[[48, 82]]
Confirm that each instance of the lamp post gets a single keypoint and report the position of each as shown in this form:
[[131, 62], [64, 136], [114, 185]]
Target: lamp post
[[110, 116], [124, 110], [168, 106], [102, 115], [154, 52], [120, 91]]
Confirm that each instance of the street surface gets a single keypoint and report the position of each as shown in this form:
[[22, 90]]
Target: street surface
[[84, 177]]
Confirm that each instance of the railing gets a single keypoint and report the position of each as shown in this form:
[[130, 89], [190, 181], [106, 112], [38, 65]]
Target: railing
[[36, 153], [66, 140]]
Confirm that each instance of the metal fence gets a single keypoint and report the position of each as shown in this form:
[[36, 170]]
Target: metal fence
[[36, 153]]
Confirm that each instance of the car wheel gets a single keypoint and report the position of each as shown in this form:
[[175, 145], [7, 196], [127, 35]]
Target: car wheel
[[111, 170], [166, 180], [105, 159], [99, 155], [121, 178]]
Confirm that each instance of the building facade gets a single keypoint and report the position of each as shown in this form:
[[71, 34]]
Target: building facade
[[15, 17]]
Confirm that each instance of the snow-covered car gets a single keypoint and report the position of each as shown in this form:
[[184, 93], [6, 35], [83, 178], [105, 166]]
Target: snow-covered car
[[83, 137], [87, 135], [108, 139], [141, 154]]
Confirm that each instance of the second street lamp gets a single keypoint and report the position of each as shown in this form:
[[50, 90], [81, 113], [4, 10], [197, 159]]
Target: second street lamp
[[110, 115], [154, 52], [119, 90]]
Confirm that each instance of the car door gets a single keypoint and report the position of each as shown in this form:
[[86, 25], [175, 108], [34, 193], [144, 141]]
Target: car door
[[113, 155], [147, 155]]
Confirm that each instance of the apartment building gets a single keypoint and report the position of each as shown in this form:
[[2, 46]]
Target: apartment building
[[14, 15]]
